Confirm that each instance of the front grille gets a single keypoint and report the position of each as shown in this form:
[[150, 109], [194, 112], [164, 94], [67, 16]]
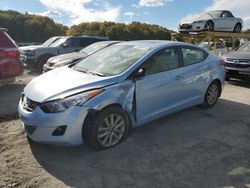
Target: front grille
[[28, 104], [238, 63], [186, 26], [30, 129]]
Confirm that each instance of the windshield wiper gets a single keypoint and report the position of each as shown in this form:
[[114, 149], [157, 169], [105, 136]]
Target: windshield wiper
[[85, 70], [97, 73], [83, 52], [81, 69]]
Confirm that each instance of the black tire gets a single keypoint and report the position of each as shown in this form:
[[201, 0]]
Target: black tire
[[227, 78], [212, 94], [237, 28], [96, 129], [209, 26], [42, 61]]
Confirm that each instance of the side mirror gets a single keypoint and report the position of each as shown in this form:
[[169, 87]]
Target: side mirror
[[140, 73], [224, 15], [64, 45]]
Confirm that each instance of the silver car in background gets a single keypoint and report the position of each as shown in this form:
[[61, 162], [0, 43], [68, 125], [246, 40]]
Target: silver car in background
[[217, 20], [238, 62], [71, 58]]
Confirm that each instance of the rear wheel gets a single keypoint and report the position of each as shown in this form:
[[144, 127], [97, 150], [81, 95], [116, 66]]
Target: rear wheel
[[209, 26], [237, 28], [108, 128], [212, 94]]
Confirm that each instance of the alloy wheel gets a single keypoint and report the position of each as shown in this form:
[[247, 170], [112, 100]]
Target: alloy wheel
[[111, 130], [212, 94], [209, 26]]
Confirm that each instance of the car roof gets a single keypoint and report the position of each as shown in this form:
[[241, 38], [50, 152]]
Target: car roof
[[108, 42], [218, 11], [88, 36], [154, 43]]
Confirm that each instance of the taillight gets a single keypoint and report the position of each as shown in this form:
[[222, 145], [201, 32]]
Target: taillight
[[222, 62], [13, 52]]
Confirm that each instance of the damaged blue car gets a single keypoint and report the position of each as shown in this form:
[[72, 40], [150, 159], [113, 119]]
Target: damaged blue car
[[122, 86]]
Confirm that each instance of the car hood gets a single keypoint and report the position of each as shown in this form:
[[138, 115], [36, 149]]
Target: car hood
[[63, 82], [30, 47], [238, 55], [69, 56], [22, 49]]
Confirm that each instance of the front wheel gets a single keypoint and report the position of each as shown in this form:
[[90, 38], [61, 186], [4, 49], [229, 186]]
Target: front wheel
[[108, 128], [237, 28], [209, 26], [212, 95]]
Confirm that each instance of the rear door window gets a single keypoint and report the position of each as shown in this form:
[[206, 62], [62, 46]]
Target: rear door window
[[74, 42], [192, 55], [164, 60], [87, 41]]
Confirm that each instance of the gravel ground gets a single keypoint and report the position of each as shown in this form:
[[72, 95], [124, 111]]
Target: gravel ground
[[203, 148]]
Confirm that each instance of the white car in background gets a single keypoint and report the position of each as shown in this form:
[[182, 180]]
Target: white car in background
[[217, 20], [217, 48]]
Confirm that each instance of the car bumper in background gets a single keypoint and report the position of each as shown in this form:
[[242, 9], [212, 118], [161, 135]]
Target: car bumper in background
[[30, 61], [236, 69]]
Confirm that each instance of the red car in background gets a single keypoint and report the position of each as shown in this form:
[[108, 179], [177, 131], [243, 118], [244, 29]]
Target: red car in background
[[10, 64]]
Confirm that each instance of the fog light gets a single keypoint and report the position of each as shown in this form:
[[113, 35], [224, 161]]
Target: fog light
[[59, 131]]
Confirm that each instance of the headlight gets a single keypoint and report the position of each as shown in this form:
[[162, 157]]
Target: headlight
[[201, 21], [76, 100], [62, 63], [29, 52]]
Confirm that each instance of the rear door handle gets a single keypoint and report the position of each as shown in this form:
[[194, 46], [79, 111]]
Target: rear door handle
[[178, 77]]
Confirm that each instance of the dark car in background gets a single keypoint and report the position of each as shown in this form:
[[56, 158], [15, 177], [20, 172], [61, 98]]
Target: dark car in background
[[70, 58], [10, 65], [238, 62], [37, 56]]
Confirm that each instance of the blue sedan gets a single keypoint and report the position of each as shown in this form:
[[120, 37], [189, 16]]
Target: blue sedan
[[125, 85]]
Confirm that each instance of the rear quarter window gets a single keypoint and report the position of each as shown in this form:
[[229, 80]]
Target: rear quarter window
[[192, 55], [6, 41]]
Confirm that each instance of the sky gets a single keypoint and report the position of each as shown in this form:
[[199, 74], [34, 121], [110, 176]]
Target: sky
[[166, 13]]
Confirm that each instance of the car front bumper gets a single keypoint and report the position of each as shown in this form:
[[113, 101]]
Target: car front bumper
[[39, 126], [194, 27], [28, 60], [234, 69]]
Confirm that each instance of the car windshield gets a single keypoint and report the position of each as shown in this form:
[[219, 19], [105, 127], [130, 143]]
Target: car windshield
[[59, 42], [94, 48], [215, 14], [112, 60], [50, 41], [245, 47]]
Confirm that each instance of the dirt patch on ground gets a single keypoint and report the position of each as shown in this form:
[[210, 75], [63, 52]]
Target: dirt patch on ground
[[193, 148]]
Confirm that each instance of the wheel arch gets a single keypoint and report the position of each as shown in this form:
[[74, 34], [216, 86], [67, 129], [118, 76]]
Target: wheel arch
[[45, 55], [239, 23], [93, 112]]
